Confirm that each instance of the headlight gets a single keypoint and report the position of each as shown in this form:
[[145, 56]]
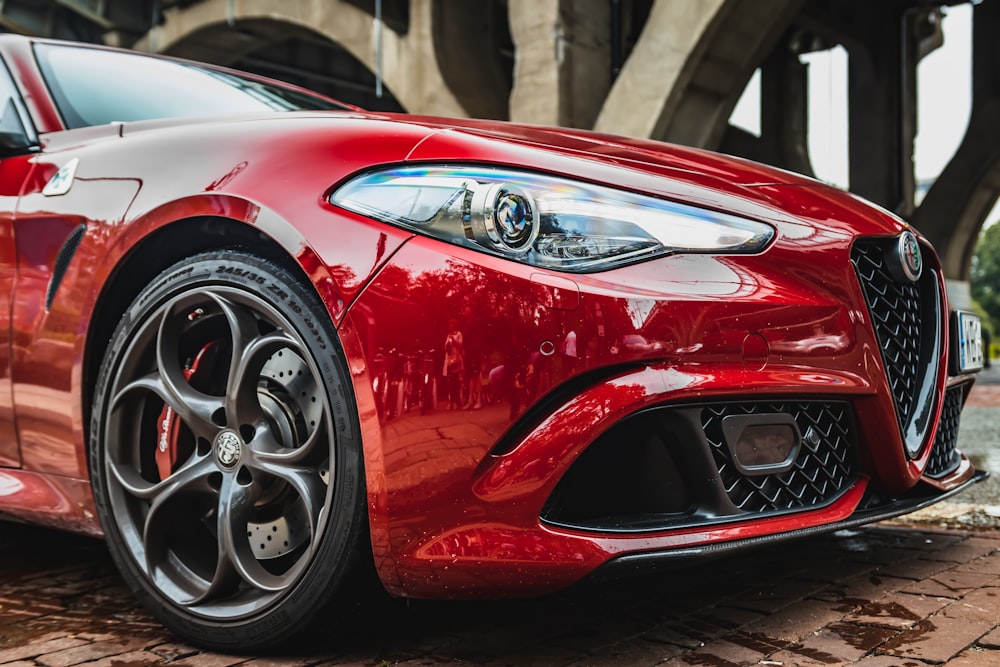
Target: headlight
[[542, 220]]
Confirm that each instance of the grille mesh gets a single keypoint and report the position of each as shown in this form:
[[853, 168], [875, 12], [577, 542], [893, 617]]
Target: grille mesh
[[895, 309], [944, 454], [824, 468]]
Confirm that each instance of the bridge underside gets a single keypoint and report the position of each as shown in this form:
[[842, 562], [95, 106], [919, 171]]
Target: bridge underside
[[665, 69]]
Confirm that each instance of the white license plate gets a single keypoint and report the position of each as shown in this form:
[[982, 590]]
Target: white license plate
[[970, 342]]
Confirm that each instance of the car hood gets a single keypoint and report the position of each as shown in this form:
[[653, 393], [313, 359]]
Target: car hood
[[627, 151], [699, 177], [688, 174]]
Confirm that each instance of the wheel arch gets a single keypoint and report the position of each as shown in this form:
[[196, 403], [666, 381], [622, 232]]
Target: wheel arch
[[173, 232], [155, 252]]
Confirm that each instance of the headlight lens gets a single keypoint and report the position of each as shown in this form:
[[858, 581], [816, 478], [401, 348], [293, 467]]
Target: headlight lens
[[544, 221]]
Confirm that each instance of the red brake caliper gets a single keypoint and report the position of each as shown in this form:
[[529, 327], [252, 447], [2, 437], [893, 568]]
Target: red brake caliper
[[169, 424]]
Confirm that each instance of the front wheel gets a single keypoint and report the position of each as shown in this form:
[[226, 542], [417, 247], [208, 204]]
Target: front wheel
[[225, 455]]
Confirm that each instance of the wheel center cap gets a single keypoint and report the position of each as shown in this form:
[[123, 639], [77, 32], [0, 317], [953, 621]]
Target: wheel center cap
[[228, 449]]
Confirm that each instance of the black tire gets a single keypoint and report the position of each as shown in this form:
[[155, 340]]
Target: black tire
[[259, 521]]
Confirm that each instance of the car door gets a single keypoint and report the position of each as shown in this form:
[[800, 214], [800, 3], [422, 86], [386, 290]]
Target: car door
[[16, 141]]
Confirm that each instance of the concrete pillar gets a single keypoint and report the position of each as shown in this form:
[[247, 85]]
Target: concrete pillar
[[785, 109], [882, 98], [956, 206], [784, 136], [562, 66], [467, 47], [690, 67], [651, 83]]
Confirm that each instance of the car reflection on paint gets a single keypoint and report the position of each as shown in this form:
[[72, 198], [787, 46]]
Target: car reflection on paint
[[636, 343]]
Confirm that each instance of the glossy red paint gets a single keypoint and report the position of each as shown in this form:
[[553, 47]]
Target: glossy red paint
[[454, 496], [12, 173], [49, 500]]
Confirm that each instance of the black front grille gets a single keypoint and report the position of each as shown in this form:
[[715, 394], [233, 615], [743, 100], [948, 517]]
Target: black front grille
[[824, 468], [895, 310], [944, 454], [907, 321]]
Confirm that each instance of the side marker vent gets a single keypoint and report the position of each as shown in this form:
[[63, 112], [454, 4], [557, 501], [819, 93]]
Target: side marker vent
[[65, 256]]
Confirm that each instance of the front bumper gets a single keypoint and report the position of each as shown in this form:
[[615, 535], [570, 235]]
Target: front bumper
[[460, 502]]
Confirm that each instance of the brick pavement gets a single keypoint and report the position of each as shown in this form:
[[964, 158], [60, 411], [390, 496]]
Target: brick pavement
[[878, 596], [984, 396], [882, 595]]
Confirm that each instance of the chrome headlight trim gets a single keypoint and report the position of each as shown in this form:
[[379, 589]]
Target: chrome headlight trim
[[545, 221]]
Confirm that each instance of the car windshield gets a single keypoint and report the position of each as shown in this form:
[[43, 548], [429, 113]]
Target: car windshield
[[95, 87]]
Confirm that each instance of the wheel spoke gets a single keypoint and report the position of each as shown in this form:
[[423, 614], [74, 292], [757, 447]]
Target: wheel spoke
[[235, 505], [185, 478], [224, 581], [193, 407], [307, 484], [186, 401], [242, 405], [243, 328], [267, 449], [131, 481], [191, 477]]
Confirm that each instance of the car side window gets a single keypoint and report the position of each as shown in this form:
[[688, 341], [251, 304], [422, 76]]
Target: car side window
[[96, 87]]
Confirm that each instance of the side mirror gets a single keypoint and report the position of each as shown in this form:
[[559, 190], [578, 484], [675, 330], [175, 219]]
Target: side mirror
[[14, 139]]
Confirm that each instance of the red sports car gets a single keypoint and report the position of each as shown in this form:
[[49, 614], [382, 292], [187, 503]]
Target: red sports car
[[260, 341]]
